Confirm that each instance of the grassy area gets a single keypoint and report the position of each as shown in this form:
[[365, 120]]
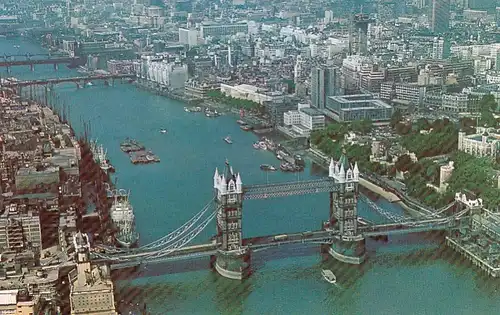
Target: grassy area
[[217, 96]]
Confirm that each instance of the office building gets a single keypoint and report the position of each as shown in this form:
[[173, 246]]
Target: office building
[[220, 30], [251, 93], [303, 121], [188, 37], [440, 48], [440, 18], [18, 302], [324, 83], [358, 34], [358, 107], [481, 4], [19, 229], [91, 289]]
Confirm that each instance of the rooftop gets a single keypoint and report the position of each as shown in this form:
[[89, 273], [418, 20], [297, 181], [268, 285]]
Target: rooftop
[[311, 111]]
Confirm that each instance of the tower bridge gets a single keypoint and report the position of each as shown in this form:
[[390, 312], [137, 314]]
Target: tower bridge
[[342, 234]]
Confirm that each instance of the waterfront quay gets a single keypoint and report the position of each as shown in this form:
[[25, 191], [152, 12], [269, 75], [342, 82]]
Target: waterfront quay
[[49, 179]]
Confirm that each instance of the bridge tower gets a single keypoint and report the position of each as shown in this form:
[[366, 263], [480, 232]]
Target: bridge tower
[[232, 259], [349, 245]]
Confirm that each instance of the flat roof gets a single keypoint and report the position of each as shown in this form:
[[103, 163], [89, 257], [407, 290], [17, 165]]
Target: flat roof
[[311, 111]]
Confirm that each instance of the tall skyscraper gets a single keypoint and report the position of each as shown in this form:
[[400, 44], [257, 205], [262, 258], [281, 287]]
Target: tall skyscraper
[[324, 83], [440, 22]]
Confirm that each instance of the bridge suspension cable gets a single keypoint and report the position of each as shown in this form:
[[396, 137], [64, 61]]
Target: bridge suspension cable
[[387, 214], [167, 239], [164, 251]]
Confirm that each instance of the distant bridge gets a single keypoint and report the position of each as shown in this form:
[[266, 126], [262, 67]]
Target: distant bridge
[[45, 61], [84, 79]]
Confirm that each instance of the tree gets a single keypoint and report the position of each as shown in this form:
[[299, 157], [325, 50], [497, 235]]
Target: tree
[[403, 163], [396, 117], [488, 103], [362, 126]]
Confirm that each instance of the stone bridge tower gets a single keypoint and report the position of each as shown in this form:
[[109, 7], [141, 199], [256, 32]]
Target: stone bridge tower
[[232, 259], [349, 245]]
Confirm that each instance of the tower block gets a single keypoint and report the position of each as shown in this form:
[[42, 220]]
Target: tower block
[[349, 245], [232, 259]]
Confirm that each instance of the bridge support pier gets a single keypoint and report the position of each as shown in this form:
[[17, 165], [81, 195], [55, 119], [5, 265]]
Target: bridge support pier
[[233, 264], [348, 250]]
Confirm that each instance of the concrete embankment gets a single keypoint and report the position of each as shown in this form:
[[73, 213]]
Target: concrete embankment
[[389, 196]]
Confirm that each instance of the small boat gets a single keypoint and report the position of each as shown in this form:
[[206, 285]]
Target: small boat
[[256, 146], [89, 84], [186, 109], [262, 145], [267, 167], [329, 276], [241, 122], [246, 128], [228, 140], [163, 130]]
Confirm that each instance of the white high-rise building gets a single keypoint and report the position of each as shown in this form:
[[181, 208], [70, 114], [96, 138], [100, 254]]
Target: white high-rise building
[[188, 37]]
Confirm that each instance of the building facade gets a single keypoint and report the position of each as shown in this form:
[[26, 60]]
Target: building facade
[[485, 143], [324, 83], [357, 107], [440, 19], [19, 229], [251, 93], [221, 30]]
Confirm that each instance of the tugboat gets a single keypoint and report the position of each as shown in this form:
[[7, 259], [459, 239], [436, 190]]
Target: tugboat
[[228, 140], [329, 276], [267, 168]]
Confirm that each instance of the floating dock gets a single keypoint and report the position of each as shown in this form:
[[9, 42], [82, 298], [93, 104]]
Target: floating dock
[[131, 145], [143, 157]]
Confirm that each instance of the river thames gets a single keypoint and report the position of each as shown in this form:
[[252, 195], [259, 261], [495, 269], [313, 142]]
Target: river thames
[[408, 275]]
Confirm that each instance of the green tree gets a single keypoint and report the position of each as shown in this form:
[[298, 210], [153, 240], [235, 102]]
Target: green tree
[[396, 117]]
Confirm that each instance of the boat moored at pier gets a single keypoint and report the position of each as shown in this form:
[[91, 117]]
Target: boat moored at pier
[[123, 219]]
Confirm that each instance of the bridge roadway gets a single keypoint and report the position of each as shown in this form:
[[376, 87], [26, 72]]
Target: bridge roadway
[[13, 84], [48, 61], [208, 249]]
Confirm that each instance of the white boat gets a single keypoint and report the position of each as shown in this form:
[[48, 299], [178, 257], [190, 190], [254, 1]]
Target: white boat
[[262, 145], [329, 276], [89, 84], [123, 219], [100, 155], [228, 140], [256, 146], [163, 130]]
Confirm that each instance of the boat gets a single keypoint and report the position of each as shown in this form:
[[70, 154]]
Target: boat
[[329, 276], [246, 128], [163, 130], [123, 219], [267, 167], [89, 84], [99, 154], [262, 145], [256, 146], [228, 140], [241, 122]]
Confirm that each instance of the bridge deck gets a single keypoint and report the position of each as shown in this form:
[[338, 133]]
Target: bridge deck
[[49, 61], [64, 80]]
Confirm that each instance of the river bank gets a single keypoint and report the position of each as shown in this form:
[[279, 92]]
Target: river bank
[[286, 280]]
